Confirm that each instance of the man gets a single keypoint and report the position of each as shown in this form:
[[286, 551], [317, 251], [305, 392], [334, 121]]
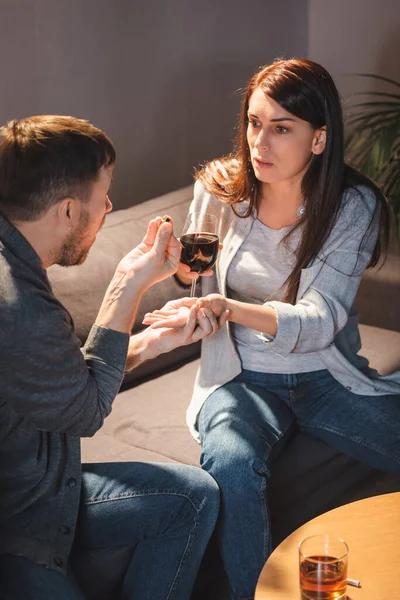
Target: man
[[131, 530]]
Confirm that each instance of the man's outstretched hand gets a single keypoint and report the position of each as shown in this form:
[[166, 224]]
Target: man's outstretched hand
[[174, 313], [190, 325]]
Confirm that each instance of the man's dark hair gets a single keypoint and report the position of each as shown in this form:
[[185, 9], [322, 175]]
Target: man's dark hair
[[46, 158]]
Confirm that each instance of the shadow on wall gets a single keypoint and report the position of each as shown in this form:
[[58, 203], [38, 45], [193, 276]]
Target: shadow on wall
[[387, 64], [159, 77], [193, 121]]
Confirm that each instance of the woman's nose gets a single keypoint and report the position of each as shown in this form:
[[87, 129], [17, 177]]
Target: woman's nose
[[262, 140]]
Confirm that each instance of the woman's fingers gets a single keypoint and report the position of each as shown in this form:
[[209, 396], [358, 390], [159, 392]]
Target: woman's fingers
[[205, 327], [224, 318], [211, 318], [207, 273]]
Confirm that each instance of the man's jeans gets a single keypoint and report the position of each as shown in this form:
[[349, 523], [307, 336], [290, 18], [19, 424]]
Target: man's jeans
[[142, 531], [249, 418]]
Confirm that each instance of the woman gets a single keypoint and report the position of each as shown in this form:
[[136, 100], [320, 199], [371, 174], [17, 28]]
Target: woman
[[299, 228]]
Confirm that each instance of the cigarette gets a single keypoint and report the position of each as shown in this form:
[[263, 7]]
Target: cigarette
[[165, 219], [353, 582]]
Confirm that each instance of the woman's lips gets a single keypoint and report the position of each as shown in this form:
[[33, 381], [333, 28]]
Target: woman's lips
[[262, 164]]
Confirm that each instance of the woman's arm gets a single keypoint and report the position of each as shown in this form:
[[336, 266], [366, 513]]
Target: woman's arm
[[255, 316]]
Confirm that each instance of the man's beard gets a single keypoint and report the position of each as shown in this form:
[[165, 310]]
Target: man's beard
[[74, 250]]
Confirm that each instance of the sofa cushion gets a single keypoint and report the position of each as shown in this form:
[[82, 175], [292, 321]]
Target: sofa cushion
[[381, 347], [118, 451], [151, 416]]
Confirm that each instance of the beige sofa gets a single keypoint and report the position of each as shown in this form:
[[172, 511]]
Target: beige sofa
[[148, 418]]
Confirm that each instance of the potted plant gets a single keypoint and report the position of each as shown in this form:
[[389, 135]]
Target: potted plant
[[372, 143]]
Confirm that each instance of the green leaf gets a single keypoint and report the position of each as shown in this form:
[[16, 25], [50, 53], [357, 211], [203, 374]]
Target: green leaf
[[384, 94], [364, 118], [376, 103], [379, 77], [372, 139]]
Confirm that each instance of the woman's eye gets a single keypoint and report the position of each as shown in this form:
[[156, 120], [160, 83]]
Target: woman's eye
[[282, 129], [254, 124]]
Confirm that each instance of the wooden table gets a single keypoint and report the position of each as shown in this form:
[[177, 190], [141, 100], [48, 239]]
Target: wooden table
[[371, 528]]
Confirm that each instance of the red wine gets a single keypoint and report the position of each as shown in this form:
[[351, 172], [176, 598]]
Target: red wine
[[199, 251]]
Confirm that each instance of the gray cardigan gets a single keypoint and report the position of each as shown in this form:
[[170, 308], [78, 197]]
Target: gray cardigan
[[323, 319]]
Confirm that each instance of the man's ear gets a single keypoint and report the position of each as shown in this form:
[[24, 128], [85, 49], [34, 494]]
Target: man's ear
[[68, 212], [319, 141]]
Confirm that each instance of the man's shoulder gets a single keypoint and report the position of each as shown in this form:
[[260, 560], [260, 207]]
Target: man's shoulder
[[26, 298]]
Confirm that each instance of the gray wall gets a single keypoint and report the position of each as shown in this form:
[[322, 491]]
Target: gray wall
[[353, 36], [159, 76]]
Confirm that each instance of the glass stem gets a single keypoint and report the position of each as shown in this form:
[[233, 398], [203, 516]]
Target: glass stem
[[193, 288]]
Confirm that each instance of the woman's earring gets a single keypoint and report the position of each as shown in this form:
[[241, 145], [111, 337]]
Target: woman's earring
[[301, 210]]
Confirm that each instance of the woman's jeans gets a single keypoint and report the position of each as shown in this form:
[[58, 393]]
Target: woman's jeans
[[245, 420], [142, 531]]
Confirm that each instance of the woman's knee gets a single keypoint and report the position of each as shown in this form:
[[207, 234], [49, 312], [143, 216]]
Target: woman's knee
[[238, 472]]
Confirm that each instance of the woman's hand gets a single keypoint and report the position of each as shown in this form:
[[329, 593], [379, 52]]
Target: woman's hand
[[185, 275], [214, 302]]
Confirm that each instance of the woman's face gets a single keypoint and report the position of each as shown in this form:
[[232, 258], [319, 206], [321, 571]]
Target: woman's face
[[281, 145]]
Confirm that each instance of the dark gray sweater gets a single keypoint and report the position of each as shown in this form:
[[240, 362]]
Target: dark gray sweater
[[52, 392]]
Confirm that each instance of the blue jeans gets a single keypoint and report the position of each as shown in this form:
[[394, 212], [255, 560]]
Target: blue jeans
[[245, 423], [142, 531]]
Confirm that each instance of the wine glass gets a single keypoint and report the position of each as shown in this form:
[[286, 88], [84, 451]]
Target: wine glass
[[200, 243]]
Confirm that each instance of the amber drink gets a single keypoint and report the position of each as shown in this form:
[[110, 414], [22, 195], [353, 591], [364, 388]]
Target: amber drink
[[323, 568]]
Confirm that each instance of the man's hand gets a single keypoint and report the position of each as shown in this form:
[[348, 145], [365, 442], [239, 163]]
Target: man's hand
[[196, 324], [174, 313], [155, 258]]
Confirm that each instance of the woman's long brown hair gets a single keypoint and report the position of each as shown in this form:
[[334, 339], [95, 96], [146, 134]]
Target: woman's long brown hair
[[306, 90]]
